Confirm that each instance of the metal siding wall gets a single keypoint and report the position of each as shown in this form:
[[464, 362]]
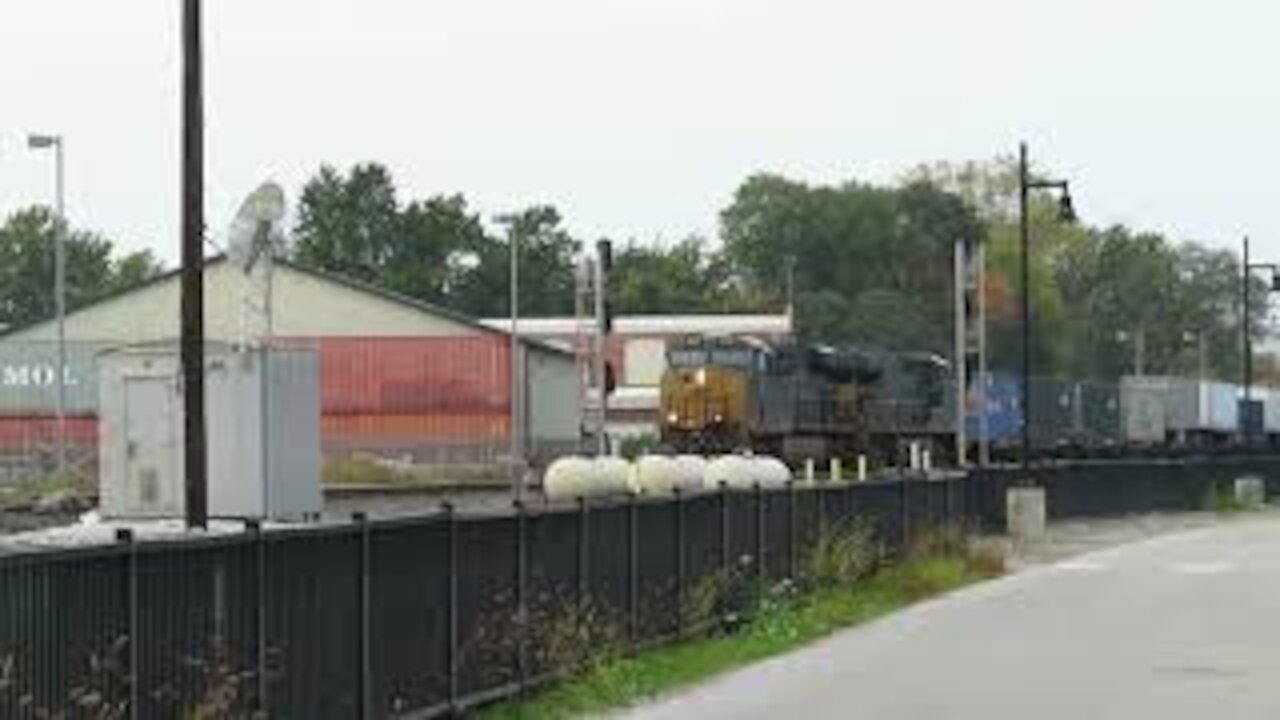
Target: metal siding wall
[[414, 376], [552, 382], [28, 377]]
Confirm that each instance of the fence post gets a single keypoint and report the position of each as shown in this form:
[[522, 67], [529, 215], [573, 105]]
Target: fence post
[[680, 568], [904, 482], [364, 693], [726, 560], [822, 510], [583, 590], [260, 615], [792, 530], [633, 569], [126, 538], [760, 570], [451, 520], [522, 596]]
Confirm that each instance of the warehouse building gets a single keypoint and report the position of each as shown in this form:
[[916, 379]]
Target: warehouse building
[[398, 376], [637, 351]]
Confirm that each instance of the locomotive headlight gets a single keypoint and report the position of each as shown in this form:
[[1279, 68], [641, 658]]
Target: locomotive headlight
[[673, 418], [701, 377]]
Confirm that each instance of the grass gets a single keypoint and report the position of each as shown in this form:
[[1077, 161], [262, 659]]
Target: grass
[[1223, 500], [30, 490], [782, 622]]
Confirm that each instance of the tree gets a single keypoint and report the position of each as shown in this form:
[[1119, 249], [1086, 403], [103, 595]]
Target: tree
[[546, 252], [855, 250], [27, 254], [681, 279], [347, 224]]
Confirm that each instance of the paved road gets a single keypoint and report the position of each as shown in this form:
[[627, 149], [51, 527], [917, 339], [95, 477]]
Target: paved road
[[1181, 626]]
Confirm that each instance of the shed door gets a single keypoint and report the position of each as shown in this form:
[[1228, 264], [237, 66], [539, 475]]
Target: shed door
[[151, 446]]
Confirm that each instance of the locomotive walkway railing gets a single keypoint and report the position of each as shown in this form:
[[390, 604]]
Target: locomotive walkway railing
[[429, 616]]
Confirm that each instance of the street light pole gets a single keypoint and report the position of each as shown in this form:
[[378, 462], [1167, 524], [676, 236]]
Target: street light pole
[[1025, 275], [517, 387], [1247, 348], [1067, 213], [39, 142], [1248, 413]]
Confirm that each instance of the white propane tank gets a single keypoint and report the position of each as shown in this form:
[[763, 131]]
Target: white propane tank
[[770, 472], [614, 476], [570, 477], [732, 470], [657, 475], [691, 469]]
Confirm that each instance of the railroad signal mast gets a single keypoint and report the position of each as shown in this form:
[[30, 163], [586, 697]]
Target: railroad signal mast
[[595, 372], [970, 345]]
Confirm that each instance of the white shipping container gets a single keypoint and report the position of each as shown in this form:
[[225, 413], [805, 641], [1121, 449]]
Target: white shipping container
[[1143, 413], [1194, 406], [1270, 408], [262, 423]]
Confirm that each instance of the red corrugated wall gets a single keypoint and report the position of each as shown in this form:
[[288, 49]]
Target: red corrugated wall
[[379, 391]]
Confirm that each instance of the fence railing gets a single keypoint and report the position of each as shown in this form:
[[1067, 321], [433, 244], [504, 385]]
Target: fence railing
[[428, 616]]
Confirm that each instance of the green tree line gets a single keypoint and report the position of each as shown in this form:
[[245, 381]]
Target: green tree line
[[858, 263]]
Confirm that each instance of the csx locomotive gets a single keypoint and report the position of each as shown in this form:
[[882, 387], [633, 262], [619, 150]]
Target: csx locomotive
[[803, 401]]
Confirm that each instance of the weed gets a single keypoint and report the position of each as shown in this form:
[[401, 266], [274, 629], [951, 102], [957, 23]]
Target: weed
[[844, 584], [1222, 499]]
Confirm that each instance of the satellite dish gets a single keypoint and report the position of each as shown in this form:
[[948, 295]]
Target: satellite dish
[[255, 232], [256, 237]]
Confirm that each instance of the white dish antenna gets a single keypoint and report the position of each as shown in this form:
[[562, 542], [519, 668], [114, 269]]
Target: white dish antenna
[[255, 239], [256, 230]]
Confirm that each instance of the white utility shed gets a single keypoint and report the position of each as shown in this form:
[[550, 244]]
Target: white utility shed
[[263, 425]]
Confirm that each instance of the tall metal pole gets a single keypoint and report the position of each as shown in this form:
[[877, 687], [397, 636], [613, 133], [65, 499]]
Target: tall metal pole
[[517, 387], [60, 290], [602, 395], [961, 373], [1139, 351], [1247, 348], [1025, 230], [984, 429], [192, 331]]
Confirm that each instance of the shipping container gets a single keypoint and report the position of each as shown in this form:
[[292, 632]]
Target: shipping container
[[29, 377], [1270, 398], [1099, 408], [1195, 408], [1143, 414], [20, 433], [1053, 412], [415, 376], [1003, 411]]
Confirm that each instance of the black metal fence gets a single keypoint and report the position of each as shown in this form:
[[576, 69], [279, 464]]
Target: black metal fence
[[430, 616]]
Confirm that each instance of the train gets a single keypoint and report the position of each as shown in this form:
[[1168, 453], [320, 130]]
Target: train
[[804, 401], [812, 401]]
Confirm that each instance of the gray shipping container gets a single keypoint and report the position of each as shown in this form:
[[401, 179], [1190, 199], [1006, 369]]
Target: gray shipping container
[[1200, 407], [29, 377]]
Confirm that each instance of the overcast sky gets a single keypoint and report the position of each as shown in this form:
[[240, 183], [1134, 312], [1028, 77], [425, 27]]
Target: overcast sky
[[638, 118]]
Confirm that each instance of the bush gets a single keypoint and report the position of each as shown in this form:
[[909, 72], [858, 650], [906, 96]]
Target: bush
[[637, 445]]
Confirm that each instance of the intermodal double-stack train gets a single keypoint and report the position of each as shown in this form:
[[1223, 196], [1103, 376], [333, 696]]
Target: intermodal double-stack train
[[806, 401]]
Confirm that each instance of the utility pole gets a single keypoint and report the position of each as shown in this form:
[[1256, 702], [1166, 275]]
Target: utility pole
[[192, 330], [604, 322]]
